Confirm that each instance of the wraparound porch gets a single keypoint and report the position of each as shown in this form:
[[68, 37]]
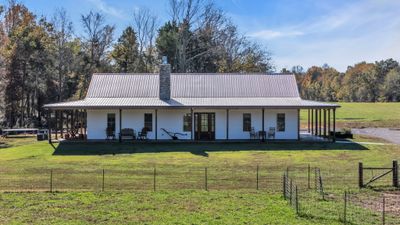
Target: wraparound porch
[[223, 124]]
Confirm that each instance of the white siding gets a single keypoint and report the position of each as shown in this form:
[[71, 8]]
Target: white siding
[[236, 123], [291, 123], [135, 119], [97, 123], [172, 120]]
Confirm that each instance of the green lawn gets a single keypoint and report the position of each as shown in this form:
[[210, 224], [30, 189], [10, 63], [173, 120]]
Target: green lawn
[[365, 115], [232, 198], [172, 207]]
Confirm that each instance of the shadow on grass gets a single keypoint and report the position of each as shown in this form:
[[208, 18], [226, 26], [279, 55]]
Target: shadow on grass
[[4, 145], [201, 149]]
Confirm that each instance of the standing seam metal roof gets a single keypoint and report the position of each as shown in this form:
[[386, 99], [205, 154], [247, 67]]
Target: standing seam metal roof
[[194, 86], [193, 90]]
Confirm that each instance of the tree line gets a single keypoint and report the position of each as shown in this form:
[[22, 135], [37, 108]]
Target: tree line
[[43, 60], [362, 82]]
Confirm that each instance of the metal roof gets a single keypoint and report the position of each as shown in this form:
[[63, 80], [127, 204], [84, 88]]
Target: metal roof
[[193, 90], [191, 102], [193, 86]]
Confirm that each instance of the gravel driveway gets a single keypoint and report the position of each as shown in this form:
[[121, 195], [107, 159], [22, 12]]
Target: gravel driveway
[[392, 135]]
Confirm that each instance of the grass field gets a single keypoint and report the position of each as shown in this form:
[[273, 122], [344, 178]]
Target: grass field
[[365, 115], [180, 197]]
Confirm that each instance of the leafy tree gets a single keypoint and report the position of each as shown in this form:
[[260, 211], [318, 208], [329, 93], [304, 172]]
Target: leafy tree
[[26, 65], [125, 52], [167, 42], [321, 84], [392, 85], [360, 83]]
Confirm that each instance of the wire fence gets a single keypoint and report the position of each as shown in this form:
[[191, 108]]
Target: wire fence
[[310, 191], [144, 178], [357, 207]]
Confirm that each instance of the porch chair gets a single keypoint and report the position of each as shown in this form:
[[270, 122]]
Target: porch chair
[[271, 133], [110, 134], [253, 134], [143, 134]]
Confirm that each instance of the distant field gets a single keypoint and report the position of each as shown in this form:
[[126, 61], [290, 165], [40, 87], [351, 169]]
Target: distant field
[[365, 115], [180, 197]]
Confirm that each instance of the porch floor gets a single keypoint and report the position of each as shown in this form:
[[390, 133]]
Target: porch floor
[[304, 137]]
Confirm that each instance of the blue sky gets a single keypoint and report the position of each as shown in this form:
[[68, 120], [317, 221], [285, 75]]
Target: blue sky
[[306, 32]]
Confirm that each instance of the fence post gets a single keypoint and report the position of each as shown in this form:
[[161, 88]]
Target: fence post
[[297, 202], [154, 179], [395, 174], [205, 179], [291, 192], [383, 210], [51, 180], [284, 186], [360, 175], [287, 172], [257, 176], [102, 184], [315, 179], [321, 186], [309, 176], [345, 208]]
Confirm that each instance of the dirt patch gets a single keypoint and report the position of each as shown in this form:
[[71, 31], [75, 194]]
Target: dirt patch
[[375, 203]]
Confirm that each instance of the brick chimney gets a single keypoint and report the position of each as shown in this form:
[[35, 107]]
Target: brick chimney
[[165, 80]]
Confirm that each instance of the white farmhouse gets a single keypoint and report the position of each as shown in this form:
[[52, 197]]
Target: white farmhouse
[[191, 106]]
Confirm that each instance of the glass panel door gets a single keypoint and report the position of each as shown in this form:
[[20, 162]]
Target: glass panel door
[[204, 126]]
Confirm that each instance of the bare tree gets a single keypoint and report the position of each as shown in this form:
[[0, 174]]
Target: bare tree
[[187, 11], [63, 54], [145, 25], [97, 41], [207, 41]]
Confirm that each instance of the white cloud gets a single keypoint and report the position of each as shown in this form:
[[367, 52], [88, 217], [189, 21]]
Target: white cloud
[[358, 31], [271, 34], [107, 9]]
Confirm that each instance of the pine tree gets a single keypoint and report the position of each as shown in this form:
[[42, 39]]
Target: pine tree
[[125, 52]]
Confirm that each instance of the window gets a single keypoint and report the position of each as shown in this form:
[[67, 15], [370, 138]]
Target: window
[[246, 122], [111, 121], [187, 122], [148, 121], [280, 122]]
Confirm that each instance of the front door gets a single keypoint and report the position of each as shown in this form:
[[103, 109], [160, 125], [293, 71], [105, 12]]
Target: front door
[[204, 125]]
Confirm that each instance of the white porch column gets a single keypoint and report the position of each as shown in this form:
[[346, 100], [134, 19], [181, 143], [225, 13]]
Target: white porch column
[[155, 124], [192, 133], [227, 124], [263, 124], [120, 125], [298, 124]]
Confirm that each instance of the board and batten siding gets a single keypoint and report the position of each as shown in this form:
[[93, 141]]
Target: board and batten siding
[[172, 120]]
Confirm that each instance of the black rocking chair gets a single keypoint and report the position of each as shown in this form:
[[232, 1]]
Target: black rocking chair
[[143, 134], [110, 133]]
